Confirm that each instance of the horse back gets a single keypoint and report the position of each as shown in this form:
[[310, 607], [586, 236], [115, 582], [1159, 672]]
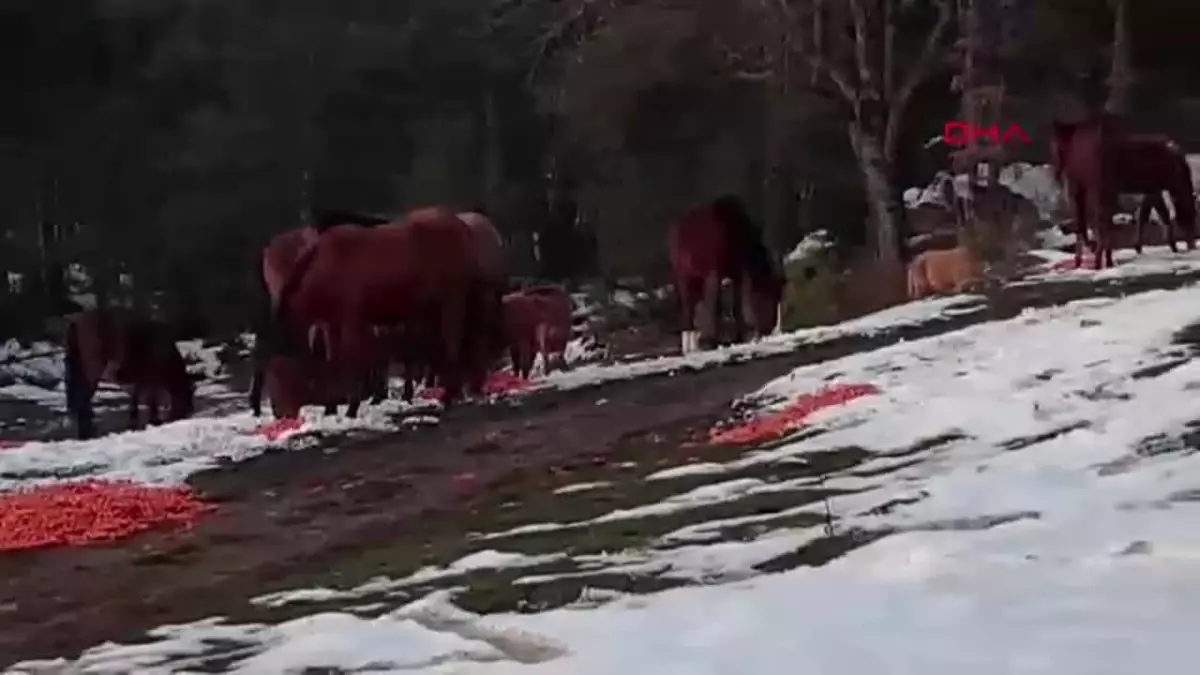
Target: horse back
[[119, 346], [280, 255], [391, 271]]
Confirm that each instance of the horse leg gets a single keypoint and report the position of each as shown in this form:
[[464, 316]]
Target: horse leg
[[259, 361], [152, 408], [712, 296], [1102, 214], [687, 311], [355, 350], [135, 399], [1079, 207], [450, 354], [1170, 224], [1143, 215], [80, 403], [739, 320]]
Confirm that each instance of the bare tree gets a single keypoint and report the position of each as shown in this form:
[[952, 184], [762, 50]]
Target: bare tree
[[855, 51]]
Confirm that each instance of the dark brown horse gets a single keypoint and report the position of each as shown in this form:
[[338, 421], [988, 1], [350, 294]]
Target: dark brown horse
[[1150, 165], [422, 270], [139, 354], [279, 259], [719, 241]]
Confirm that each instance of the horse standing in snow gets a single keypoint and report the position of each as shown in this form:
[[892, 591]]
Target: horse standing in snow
[[714, 242], [114, 345]]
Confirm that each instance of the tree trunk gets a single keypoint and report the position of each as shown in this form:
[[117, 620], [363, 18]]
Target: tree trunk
[[886, 229], [1121, 76]]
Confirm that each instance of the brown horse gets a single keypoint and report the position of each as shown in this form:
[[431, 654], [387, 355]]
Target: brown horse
[[279, 259], [719, 241], [1084, 154], [555, 309], [943, 271], [1099, 162], [139, 354], [521, 320], [422, 270]]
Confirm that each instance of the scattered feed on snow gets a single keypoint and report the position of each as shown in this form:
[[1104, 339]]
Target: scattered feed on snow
[[777, 423]]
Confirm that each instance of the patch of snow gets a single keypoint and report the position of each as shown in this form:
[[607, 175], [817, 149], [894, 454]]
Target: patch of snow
[[487, 559], [167, 454], [814, 242], [581, 487], [910, 314], [1152, 261]]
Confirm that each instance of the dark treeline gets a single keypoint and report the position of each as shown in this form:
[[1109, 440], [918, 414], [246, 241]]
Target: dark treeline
[[148, 148]]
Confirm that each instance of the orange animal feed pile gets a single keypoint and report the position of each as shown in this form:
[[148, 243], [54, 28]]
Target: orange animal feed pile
[[275, 428], [777, 423], [498, 384], [87, 512]]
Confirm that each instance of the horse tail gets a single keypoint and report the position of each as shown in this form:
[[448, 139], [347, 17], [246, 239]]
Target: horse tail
[[75, 382], [1181, 191], [262, 346]]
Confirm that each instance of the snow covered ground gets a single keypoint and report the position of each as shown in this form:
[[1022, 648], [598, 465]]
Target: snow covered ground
[[1018, 499], [1153, 260]]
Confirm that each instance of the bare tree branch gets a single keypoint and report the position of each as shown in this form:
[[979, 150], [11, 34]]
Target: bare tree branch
[[866, 75], [921, 68]]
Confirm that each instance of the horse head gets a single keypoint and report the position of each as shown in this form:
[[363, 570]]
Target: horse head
[[765, 297], [181, 394]]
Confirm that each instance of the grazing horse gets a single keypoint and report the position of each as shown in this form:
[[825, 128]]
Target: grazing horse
[[521, 320], [555, 309], [279, 258], [139, 354], [1085, 155], [952, 270], [1150, 165], [714, 242], [417, 343], [422, 270]]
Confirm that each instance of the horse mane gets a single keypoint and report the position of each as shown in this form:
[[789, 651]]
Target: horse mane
[[746, 235], [328, 218]]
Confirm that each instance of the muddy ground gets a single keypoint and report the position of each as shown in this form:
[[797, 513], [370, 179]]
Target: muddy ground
[[343, 511]]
